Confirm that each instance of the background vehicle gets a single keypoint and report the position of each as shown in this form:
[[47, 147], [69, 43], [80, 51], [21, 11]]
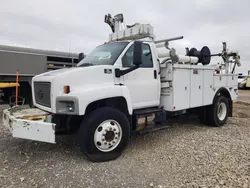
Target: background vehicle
[[243, 81], [28, 62], [122, 88]]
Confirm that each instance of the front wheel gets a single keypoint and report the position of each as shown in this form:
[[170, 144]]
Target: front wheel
[[104, 134]]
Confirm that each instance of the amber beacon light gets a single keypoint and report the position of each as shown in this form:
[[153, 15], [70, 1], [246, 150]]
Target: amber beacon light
[[66, 89]]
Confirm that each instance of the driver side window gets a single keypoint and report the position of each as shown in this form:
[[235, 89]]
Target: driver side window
[[127, 59]]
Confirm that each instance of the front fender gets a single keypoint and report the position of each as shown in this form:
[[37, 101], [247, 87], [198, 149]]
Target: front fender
[[89, 94]]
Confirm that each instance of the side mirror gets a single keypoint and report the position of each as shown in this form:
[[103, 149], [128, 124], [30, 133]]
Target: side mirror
[[80, 56], [137, 56]]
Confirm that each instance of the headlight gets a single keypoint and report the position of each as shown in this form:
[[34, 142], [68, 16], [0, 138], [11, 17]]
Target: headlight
[[71, 106], [66, 107]]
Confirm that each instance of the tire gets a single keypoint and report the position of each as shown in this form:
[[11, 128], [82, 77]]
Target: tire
[[95, 134], [217, 113]]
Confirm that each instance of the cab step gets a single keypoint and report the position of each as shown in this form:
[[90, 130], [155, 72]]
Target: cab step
[[147, 111], [146, 117], [152, 128]]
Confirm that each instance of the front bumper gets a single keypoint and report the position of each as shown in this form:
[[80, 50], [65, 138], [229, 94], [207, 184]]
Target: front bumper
[[31, 124]]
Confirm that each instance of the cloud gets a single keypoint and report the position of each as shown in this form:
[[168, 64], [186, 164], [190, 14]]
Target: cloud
[[78, 26]]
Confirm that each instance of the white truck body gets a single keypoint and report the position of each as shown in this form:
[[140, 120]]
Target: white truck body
[[178, 87], [193, 86], [153, 87]]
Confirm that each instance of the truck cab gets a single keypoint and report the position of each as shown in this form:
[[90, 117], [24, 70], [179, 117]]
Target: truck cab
[[95, 78]]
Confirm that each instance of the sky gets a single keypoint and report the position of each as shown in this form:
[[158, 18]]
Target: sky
[[78, 26]]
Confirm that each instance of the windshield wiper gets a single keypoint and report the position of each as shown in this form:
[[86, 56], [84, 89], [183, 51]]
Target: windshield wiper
[[86, 64]]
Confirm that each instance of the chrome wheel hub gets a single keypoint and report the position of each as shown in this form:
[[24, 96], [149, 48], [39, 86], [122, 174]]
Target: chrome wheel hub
[[222, 111], [108, 135]]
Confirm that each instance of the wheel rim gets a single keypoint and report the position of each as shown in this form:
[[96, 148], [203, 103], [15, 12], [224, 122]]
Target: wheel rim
[[222, 111], [108, 135]]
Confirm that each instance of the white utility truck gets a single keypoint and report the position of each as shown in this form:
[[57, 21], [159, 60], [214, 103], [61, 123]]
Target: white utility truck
[[123, 87]]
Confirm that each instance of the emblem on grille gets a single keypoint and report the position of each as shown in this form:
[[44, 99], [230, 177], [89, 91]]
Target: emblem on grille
[[40, 94]]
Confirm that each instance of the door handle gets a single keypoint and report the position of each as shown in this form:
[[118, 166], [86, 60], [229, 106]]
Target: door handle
[[155, 74]]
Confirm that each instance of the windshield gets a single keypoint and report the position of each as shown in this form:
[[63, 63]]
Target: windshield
[[104, 55]]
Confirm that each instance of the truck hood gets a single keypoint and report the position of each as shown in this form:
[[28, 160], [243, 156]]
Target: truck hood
[[86, 84], [58, 72], [77, 77], [71, 71]]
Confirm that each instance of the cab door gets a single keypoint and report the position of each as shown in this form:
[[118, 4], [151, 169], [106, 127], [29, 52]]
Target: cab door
[[144, 82]]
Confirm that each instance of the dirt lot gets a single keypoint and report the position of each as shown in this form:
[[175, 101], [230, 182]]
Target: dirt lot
[[186, 154]]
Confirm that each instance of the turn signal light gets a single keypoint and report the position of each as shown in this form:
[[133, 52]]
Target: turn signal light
[[66, 89]]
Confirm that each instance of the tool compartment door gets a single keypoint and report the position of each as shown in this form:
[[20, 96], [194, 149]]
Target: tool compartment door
[[196, 78], [208, 82], [181, 88]]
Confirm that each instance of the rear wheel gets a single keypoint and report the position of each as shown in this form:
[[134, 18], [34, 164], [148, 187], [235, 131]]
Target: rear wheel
[[217, 113], [104, 134]]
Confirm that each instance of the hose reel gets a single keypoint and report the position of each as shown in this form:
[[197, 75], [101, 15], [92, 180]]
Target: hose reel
[[204, 55], [192, 56]]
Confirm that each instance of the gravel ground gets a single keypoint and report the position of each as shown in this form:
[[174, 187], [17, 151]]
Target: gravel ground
[[186, 154]]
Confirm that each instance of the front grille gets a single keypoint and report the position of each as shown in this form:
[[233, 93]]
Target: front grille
[[42, 93]]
